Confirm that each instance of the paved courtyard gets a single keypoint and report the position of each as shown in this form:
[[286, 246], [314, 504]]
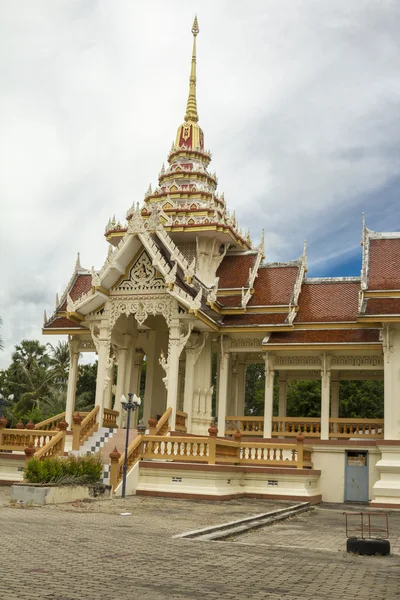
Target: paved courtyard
[[89, 551]]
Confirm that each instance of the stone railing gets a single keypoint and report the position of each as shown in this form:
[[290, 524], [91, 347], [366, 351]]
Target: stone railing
[[16, 440], [110, 418], [82, 429], [209, 450], [180, 424], [135, 452], [292, 426], [292, 455], [51, 423], [55, 447], [245, 425], [356, 428], [162, 426]]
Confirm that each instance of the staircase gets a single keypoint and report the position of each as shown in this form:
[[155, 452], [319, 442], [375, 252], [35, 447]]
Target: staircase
[[115, 441]]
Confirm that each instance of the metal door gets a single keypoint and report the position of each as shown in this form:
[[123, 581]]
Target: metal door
[[356, 477]]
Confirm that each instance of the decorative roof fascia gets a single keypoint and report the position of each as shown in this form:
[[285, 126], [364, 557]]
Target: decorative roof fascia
[[297, 286], [316, 280], [253, 272], [78, 270]]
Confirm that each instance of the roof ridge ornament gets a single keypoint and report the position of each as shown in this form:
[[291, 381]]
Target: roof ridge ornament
[[191, 107]]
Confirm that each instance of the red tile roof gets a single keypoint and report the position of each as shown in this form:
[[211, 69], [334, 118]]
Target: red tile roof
[[383, 306], [233, 272], [81, 285], [255, 319], [384, 264], [274, 285], [230, 300], [325, 336], [328, 302], [62, 323]]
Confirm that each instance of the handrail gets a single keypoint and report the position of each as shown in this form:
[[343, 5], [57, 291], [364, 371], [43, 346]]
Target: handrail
[[19, 439], [54, 447], [110, 418], [163, 423], [50, 423], [180, 424], [88, 425], [210, 450], [356, 428]]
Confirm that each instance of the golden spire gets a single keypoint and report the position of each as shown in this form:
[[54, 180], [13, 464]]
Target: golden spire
[[191, 107]]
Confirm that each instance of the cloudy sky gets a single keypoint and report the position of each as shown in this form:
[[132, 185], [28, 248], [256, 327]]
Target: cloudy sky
[[298, 99]]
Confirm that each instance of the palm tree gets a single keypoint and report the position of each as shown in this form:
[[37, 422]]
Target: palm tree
[[29, 353], [32, 385], [60, 360]]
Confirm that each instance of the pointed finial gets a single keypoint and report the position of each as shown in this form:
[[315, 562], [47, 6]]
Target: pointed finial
[[304, 257], [44, 318], [191, 107], [57, 300], [364, 230], [261, 246], [78, 262]]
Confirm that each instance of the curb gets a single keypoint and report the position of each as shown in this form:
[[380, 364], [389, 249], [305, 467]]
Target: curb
[[221, 532]]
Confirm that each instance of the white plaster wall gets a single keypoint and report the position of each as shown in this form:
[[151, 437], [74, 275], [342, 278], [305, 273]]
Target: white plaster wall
[[330, 460], [218, 483]]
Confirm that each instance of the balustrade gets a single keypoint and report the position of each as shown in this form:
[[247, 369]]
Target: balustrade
[[16, 440], [210, 450], [292, 426], [51, 423], [356, 428], [180, 424], [54, 447], [110, 418], [163, 427], [246, 425]]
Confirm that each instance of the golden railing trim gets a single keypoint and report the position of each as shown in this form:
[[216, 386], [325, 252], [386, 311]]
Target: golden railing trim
[[50, 421]]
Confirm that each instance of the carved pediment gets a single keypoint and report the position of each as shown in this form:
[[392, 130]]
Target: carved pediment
[[143, 277]]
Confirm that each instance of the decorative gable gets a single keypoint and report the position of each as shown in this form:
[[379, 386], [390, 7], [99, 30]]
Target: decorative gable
[[143, 276]]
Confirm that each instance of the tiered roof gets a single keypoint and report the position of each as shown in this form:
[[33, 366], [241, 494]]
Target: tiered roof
[[249, 294]]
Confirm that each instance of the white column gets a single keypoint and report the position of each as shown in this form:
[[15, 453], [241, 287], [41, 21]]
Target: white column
[[233, 386], [222, 389], [335, 398], [103, 349], [110, 383], [129, 365], [174, 350], [269, 395], [121, 357], [325, 397], [241, 387], [181, 383], [72, 380], [282, 395], [137, 372]]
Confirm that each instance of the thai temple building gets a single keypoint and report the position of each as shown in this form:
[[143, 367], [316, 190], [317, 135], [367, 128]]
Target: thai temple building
[[180, 283]]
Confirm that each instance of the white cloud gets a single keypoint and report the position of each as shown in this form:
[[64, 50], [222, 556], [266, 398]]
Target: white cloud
[[298, 100]]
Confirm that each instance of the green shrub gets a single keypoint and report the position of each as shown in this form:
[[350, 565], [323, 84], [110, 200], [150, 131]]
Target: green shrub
[[74, 470]]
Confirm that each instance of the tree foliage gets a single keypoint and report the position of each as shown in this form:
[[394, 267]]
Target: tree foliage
[[361, 399], [38, 378]]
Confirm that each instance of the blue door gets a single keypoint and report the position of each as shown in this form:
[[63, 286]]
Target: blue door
[[356, 477]]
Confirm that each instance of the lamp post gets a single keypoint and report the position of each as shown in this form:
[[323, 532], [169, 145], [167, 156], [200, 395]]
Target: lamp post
[[4, 402], [132, 404]]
